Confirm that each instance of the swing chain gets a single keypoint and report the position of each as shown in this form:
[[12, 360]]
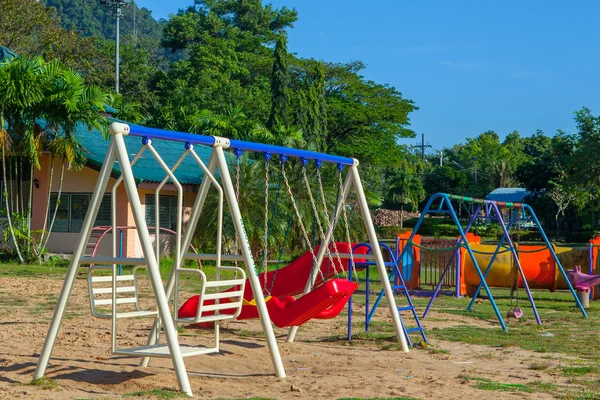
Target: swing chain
[[238, 155], [319, 225], [346, 224], [266, 232], [325, 207], [300, 223]]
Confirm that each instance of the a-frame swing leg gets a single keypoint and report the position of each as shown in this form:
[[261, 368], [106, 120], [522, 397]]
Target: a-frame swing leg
[[240, 230], [67, 288], [353, 178], [152, 264]]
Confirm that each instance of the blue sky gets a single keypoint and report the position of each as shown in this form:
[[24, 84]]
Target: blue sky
[[470, 65]]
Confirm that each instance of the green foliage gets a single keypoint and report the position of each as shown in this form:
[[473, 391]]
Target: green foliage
[[280, 80], [32, 90], [44, 383], [92, 19], [160, 394], [29, 29]]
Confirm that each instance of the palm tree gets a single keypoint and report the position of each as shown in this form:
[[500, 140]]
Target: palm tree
[[69, 103], [21, 90], [404, 187]]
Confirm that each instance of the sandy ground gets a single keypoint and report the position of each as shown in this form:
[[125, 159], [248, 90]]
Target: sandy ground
[[317, 367]]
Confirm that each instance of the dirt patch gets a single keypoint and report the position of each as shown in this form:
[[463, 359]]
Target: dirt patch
[[319, 364]]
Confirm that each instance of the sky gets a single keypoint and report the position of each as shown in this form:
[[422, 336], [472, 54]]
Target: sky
[[470, 65]]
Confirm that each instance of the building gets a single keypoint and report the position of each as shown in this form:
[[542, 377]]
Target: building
[[78, 186]]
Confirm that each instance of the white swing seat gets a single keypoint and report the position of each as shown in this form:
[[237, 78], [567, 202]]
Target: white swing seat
[[127, 294], [217, 305]]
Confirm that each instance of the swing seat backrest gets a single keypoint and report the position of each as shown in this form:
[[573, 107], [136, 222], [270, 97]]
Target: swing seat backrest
[[101, 293], [291, 279], [217, 300]]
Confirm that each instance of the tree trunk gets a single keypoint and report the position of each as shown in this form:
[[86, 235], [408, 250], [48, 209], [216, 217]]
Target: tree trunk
[[29, 209], [48, 192], [60, 185], [402, 216], [6, 197]]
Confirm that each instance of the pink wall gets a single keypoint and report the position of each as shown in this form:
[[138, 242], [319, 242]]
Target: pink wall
[[84, 181]]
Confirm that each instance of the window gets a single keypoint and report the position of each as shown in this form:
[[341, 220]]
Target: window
[[73, 208], [167, 212], [104, 217], [61, 221]]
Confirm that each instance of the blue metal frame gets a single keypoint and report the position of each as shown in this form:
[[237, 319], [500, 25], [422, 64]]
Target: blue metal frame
[[489, 207], [492, 206], [556, 260], [154, 133], [445, 199], [395, 276]]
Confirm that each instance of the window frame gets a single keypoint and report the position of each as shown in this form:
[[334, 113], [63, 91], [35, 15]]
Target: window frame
[[70, 195], [150, 205]]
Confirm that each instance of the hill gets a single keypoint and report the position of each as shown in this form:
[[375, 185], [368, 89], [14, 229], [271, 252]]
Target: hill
[[93, 19]]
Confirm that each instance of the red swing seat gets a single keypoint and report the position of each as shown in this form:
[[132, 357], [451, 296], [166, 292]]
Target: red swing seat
[[326, 300]]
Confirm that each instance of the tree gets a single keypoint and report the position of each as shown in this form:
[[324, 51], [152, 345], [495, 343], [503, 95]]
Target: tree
[[70, 103], [586, 156], [228, 56], [279, 85], [30, 29], [404, 187], [364, 119]]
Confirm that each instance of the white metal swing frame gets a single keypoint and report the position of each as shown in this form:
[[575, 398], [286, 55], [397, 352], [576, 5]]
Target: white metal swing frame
[[164, 320]]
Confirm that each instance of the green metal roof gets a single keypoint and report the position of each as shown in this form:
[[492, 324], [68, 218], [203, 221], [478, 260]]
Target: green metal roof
[[5, 54], [146, 169]]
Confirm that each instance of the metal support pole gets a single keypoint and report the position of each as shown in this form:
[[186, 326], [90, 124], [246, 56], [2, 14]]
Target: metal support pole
[[238, 224], [383, 275], [120, 249], [152, 263], [67, 288], [117, 50]]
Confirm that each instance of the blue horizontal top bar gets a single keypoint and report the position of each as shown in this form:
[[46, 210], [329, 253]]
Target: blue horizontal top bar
[[136, 130], [290, 152]]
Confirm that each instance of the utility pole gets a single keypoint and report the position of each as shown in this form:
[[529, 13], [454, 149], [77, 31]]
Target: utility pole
[[117, 6], [422, 146]]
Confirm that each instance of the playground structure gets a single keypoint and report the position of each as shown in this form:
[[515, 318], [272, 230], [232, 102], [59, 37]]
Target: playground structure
[[424, 265], [514, 213], [216, 301], [399, 286]]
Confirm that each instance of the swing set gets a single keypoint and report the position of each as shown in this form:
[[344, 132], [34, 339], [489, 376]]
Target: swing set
[[490, 211], [235, 289]]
